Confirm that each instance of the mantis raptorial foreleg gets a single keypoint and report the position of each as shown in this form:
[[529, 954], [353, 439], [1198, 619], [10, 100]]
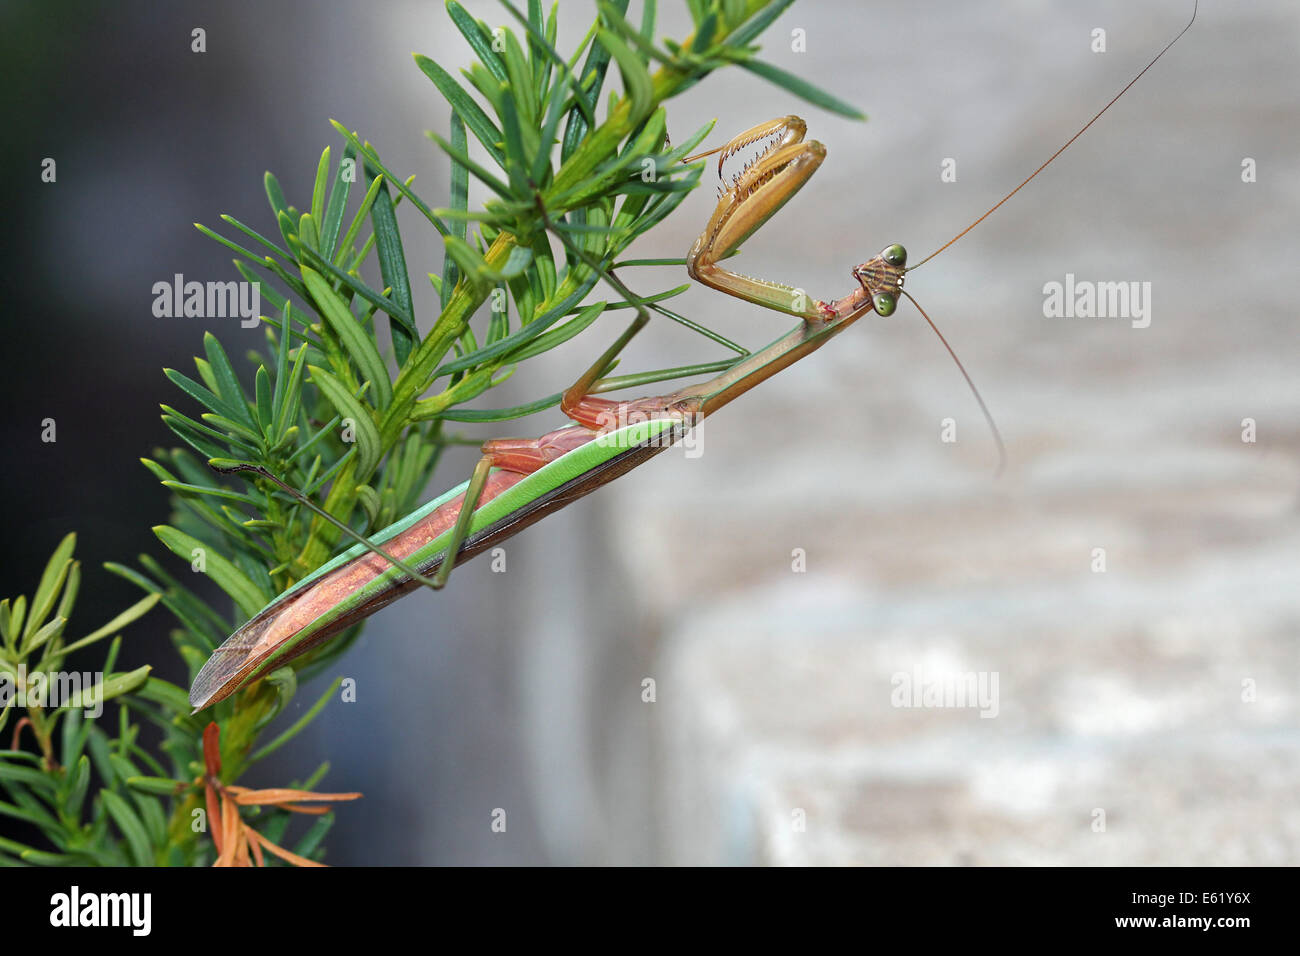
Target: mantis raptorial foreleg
[[784, 163]]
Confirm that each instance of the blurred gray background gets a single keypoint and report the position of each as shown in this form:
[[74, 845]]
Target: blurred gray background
[[1161, 692]]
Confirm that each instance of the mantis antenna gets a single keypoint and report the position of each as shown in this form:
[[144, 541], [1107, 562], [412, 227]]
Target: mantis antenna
[[1081, 131], [988, 416]]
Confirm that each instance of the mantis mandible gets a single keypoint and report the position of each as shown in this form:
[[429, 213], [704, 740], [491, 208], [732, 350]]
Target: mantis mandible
[[519, 481]]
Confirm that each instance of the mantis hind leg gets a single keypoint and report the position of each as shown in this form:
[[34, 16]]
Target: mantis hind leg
[[750, 199], [591, 414]]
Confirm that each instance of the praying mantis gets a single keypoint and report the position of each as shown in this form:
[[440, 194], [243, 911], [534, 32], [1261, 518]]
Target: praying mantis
[[517, 482]]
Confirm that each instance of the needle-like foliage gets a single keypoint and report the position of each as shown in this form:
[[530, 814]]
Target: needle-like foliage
[[352, 403]]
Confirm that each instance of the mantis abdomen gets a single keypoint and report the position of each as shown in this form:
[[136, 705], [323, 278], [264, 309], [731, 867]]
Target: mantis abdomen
[[359, 582]]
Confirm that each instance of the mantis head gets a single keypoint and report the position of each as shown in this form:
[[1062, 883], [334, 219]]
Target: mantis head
[[882, 278]]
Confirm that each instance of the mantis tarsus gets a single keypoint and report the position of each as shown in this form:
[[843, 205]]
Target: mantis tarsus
[[520, 481]]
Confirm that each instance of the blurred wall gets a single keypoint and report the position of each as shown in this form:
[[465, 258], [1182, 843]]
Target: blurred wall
[[772, 737]]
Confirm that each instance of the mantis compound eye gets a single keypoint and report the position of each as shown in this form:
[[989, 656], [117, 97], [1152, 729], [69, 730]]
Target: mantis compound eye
[[884, 303], [895, 255]]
